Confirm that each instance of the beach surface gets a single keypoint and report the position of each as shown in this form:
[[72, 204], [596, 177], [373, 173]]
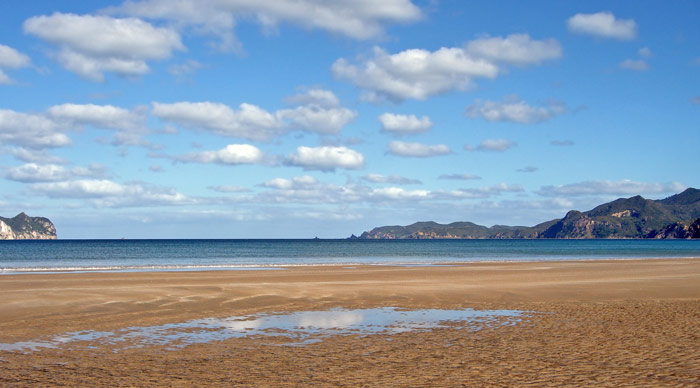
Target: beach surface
[[609, 323]]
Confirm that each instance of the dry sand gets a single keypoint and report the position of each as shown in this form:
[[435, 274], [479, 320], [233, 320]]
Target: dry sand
[[618, 323]]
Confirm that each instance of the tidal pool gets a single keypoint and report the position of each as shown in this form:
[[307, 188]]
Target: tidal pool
[[299, 328]]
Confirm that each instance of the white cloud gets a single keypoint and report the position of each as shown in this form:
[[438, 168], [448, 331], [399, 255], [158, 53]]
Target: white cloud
[[512, 109], [496, 145], [30, 130], [418, 74], [392, 179], [316, 118], [634, 64], [248, 122], [461, 177], [397, 193], [296, 183], [4, 78], [32, 172], [517, 49], [11, 59], [606, 187], [326, 158], [100, 116], [418, 150], [232, 154], [404, 124], [107, 193], [604, 25], [362, 19], [34, 156], [320, 113], [644, 52], [91, 45], [129, 124]]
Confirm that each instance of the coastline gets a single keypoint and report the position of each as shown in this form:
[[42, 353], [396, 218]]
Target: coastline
[[632, 310]]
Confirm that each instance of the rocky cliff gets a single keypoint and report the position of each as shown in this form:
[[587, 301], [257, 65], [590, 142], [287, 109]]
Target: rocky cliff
[[23, 227], [677, 216]]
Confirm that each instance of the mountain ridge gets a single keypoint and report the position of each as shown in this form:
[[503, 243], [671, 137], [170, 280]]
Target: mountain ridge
[[677, 216], [24, 227]]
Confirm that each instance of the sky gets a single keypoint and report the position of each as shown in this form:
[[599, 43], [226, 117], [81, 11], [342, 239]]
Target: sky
[[311, 118]]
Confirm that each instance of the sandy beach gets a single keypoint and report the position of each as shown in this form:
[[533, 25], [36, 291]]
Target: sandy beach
[[610, 323]]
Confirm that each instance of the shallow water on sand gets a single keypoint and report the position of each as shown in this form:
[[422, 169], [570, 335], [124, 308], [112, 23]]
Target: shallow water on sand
[[296, 328]]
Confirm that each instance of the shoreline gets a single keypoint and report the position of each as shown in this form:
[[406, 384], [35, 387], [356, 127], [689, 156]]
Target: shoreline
[[601, 322], [282, 265]]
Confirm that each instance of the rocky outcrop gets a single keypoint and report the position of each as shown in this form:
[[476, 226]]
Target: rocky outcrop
[[678, 230], [23, 227], [636, 217]]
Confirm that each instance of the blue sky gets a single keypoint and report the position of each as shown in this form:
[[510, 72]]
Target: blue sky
[[271, 119]]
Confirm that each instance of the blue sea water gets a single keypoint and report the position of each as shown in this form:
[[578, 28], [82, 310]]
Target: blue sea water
[[166, 255]]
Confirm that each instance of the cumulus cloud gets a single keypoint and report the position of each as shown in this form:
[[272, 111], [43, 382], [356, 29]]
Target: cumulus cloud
[[319, 112], [326, 158], [404, 124], [100, 116], [32, 172], [232, 154], [354, 19], [107, 193], [92, 45], [418, 74], [247, 122], [517, 49], [11, 59], [392, 179], [603, 25], [417, 150], [398, 193], [512, 109], [634, 64], [607, 187], [415, 74], [459, 177], [299, 182], [495, 145], [39, 156], [33, 131]]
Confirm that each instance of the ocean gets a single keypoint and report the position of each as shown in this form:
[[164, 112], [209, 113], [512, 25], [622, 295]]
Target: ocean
[[173, 255]]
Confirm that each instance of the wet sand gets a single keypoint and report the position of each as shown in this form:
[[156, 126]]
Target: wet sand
[[613, 323]]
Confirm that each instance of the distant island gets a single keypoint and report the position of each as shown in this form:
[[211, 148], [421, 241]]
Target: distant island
[[23, 227], [675, 217]]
